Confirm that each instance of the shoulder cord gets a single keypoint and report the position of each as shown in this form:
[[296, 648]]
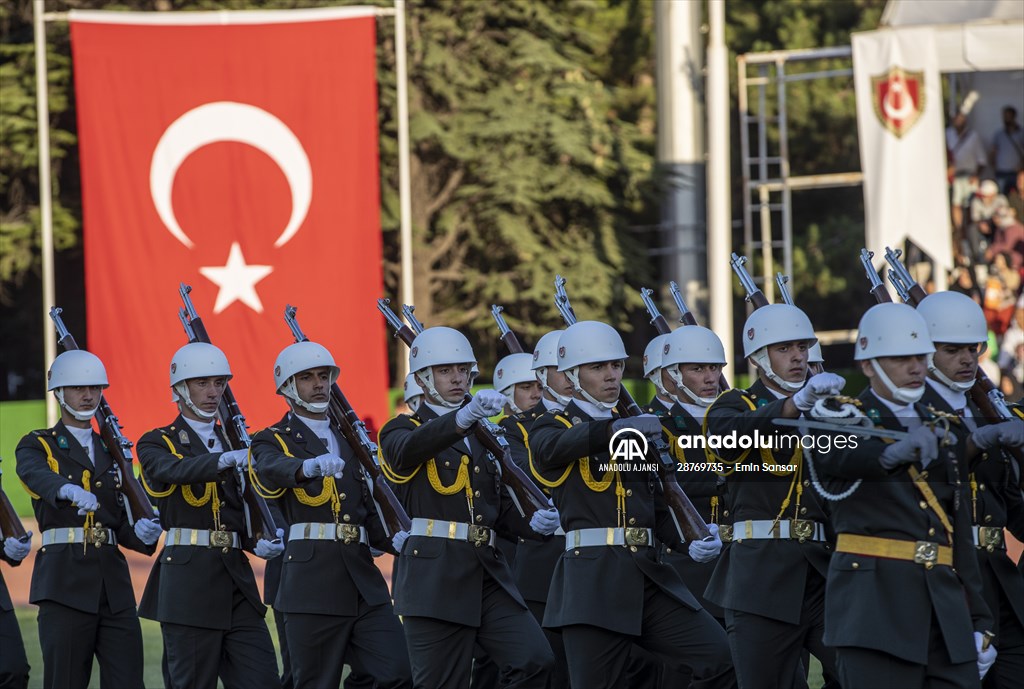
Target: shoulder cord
[[461, 483], [329, 491], [210, 494]]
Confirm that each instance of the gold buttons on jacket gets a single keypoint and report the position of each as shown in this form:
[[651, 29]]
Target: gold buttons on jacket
[[346, 517], [856, 565], [341, 496], [476, 494], [479, 517], [476, 470], [988, 518], [803, 510], [99, 484], [931, 532], [629, 492], [447, 463], [981, 486], [923, 505]]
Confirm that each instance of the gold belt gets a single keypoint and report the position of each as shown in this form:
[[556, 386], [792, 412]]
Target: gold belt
[[989, 538], [922, 552]]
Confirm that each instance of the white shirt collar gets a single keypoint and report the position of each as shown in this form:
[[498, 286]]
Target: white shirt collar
[[592, 410], [437, 408], [906, 413], [694, 410], [956, 400], [84, 438], [551, 405], [205, 430], [667, 405]]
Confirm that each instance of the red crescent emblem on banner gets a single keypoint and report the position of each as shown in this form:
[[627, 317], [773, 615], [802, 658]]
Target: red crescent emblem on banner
[[898, 99]]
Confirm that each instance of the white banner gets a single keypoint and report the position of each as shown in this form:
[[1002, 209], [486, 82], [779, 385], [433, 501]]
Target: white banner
[[902, 142]]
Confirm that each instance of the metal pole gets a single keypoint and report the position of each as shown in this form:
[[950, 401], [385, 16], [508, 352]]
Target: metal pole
[[45, 199], [404, 182], [719, 199]]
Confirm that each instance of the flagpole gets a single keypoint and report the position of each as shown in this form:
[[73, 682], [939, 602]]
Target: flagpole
[[45, 198], [404, 185]]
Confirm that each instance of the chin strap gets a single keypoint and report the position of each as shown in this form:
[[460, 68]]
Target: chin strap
[[291, 392], [542, 376], [762, 361], [573, 375], [946, 380], [426, 380], [677, 378], [904, 395], [510, 393], [180, 392], [80, 415], [655, 378]]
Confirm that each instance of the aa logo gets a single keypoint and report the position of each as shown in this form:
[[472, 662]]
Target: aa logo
[[628, 445]]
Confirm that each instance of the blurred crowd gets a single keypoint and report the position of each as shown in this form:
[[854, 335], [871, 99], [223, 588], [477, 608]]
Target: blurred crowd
[[986, 181]]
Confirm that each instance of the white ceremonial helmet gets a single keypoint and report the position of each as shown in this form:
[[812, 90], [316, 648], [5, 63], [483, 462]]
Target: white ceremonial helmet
[[511, 370], [692, 344], [299, 357], [892, 329], [652, 364], [770, 325], [438, 346], [196, 360], [545, 358], [74, 368], [589, 342], [953, 318]]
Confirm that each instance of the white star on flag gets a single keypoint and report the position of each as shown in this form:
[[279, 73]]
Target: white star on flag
[[237, 281]]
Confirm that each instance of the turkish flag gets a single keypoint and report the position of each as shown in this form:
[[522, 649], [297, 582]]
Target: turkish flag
[[235, 152]]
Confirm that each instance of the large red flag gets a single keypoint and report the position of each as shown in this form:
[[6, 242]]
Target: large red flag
[[236, 152]]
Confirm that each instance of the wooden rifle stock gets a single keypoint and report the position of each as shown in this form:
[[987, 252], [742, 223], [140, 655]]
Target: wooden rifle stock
[[686, 317], [984, 393], [754, 294], [507, 337], [689, 524], [233, 422], [524, 492], [10, 522], [344, 418], [119, 447]]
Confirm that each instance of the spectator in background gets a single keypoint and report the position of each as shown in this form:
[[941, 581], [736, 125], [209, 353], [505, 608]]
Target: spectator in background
[[966, 156], [1016, 197], [1000, 295], [979, 230], [1011, 356], [1008, 151], [1007, 240]]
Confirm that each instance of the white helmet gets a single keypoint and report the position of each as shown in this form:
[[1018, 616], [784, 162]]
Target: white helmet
[[814, 355], [545, 358], [196, 360], [513, 369], [770, 325], [73, 368], [692, 344], [773, 324], [296, 358], [76, 367], [953, 318], [588, 342], [435, 347], [892, 329], [652, 364], [412, 393]]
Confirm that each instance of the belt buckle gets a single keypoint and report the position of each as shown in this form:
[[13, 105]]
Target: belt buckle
[[801, 529], [725, 532], [479, 535], [220, 539], [990, 537], [636, 536], [349, 533], [95, 535], [926, 553]]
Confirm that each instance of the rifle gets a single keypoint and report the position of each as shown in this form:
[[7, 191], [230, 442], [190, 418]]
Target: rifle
[[783, 282], [984, 393], [754, 294], [686, 317], [347, 422], [689, 524], [10, 522], [507, 336], [233, 422], [527, 497], [137, 502], [878, 290]]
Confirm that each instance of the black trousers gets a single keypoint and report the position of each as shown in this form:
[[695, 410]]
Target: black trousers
[[242, 656], [864, 668], [442, 652], [282, 642], [1008, 671], [675, 634], [70, 638], [371, 641], [13, 661], [768, 651]]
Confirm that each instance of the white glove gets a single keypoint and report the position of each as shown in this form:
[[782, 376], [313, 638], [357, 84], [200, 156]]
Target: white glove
[[147, 530], [398, 540], [545, 522], [268, 550], [922, 444], [233, 458], [323, 465], [818, 387], [1008, 433], [705, 551], [484, 404], [648, 424], [987, 657], [16, 550], [79, 497]]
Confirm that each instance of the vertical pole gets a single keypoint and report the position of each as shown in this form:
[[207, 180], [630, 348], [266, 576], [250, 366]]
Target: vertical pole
[[45, 199], [404, 181], [719, 198]]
